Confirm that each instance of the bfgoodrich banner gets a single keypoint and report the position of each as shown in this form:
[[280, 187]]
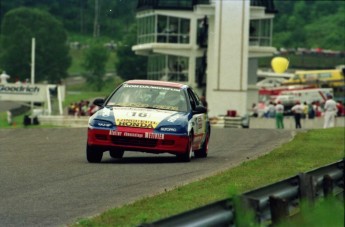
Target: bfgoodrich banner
[[23, 92]]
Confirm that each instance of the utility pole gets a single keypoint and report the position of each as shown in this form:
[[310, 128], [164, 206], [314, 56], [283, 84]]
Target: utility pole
[[96, 24]]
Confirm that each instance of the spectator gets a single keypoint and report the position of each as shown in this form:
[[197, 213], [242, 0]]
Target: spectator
[[340, 108], [4, 77], [330, 112], [297, 110], [271, 110], [305, 110], [311, 111], [279, 108]]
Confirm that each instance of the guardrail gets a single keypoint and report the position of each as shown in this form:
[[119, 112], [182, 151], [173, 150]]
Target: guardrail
[[270, 203]]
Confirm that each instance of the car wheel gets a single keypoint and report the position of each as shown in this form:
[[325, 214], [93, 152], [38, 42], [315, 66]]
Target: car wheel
[[202, 153], [187, 156], [116, 153], [93, 154]]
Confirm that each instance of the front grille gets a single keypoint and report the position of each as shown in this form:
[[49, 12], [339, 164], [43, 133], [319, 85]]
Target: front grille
[[133, 141]]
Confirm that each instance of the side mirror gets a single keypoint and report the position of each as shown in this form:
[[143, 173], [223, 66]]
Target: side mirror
[[98, 102], [199, 109]]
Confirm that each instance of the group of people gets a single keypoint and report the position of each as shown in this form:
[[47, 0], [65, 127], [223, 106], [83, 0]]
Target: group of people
[[82, 108], [299, 110]]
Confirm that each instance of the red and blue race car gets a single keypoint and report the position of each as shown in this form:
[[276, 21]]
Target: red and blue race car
[[149, 116]]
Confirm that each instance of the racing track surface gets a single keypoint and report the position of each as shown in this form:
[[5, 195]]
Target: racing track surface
[[46, 180]]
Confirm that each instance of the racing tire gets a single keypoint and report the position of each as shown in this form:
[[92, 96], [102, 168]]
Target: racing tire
[[202, 153], [187, 156], [93, 155], [116, 153]]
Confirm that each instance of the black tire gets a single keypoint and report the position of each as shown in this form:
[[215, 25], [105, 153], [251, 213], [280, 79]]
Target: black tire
[[93, 155], [187, 156], [202, 153], [116, 153]]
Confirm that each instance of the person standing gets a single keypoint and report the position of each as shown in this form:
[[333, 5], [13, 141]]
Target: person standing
[[297, 109], [271, 110], [4, 77], [279, 115], [340, 108], [330, 112]]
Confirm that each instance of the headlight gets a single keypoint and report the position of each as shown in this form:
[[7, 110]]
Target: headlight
[[100, 123]]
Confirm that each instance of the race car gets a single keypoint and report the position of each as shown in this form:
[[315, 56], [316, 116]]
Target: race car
[[149, 116]]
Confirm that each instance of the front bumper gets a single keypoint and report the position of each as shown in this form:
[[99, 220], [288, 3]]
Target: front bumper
[[137, 139]]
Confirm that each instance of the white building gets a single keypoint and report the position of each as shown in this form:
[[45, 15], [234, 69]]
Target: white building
[[213, 46]]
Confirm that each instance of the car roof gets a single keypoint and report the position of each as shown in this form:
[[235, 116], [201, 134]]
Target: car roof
[[157, 83]]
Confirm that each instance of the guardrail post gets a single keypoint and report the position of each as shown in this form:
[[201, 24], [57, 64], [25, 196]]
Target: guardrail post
[[279, 209], [307, 187], [327, 185]]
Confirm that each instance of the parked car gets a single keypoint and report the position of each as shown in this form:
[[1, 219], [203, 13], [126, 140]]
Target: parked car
[[149, 116]]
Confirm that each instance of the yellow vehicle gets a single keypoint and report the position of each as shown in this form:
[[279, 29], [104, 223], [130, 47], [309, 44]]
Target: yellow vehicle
[[319, 78]]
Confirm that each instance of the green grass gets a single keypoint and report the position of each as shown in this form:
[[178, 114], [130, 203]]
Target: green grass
[[77, 68], [325, 212], [307, 151]]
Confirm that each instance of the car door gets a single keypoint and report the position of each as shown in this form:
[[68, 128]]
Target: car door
[[198, 120]]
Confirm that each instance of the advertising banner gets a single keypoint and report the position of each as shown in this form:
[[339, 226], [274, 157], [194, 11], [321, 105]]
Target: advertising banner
[[23, 92]]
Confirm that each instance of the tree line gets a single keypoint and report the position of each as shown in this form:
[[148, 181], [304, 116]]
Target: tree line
[[308, 24]]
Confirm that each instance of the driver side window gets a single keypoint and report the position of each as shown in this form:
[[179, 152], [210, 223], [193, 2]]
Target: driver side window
[[192, 99]]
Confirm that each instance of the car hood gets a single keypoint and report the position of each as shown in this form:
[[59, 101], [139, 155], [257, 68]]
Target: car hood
[[142, 118]]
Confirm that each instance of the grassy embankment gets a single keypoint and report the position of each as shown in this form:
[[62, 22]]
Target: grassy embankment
[[308, 150]]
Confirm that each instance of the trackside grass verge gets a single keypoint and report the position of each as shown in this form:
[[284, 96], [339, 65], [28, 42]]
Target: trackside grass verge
[[307, 151]]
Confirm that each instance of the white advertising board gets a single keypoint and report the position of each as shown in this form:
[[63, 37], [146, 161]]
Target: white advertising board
[[23, 92], [33, 93]]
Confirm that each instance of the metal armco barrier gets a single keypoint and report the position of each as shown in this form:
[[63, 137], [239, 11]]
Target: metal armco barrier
[[220, 213], [270, 203]]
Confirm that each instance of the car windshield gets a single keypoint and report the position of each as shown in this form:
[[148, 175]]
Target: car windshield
[[148, 96]]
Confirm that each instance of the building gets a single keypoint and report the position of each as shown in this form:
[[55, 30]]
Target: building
[[212, 45]]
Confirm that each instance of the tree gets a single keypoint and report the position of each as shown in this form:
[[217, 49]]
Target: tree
[[95, 60], [52, 58], [129, 65]]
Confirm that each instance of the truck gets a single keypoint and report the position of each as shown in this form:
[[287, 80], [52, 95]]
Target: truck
[[313, 95]]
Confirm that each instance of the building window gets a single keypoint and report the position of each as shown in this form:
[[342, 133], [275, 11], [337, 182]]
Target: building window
[[163, 29], [168, 68], [260, 32]]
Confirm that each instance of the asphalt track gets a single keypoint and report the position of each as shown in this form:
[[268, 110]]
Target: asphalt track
[[46, 180]]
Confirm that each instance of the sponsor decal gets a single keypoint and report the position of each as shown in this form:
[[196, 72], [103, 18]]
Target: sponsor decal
[[103, 124], [154, 136], [126, 134], [168, 129], [115, 133], [133, 134], [199, 122], [136, 123], [150, 87]]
